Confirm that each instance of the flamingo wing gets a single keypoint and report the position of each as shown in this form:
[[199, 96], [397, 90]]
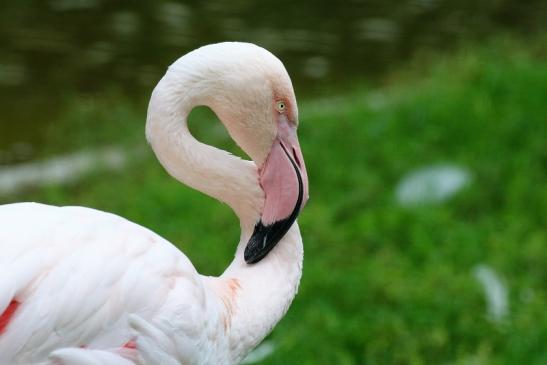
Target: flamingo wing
[[71, 279]]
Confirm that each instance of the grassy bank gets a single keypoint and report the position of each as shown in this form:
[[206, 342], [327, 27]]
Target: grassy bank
[[383, 283]]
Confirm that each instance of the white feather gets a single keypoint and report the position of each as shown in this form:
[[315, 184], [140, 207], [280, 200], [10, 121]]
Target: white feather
[[74, 356], [95, 288]]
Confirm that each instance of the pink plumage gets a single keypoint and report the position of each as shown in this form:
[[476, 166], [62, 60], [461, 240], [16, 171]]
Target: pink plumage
[[84, 287]]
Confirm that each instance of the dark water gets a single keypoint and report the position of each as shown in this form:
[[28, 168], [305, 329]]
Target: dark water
[[53, 50]]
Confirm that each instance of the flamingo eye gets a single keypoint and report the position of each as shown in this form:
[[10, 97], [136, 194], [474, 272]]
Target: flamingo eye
[[280, 106]]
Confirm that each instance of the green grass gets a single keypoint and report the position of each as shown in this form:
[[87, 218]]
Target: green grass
[[382, 284]]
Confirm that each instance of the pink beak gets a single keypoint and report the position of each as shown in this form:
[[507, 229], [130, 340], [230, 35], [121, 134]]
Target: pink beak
[[284, 179]]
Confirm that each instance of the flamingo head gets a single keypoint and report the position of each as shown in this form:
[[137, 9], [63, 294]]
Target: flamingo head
[[254, 97]]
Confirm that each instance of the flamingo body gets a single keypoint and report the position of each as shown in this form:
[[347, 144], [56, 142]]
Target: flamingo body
[[98, 286], [83, 287]]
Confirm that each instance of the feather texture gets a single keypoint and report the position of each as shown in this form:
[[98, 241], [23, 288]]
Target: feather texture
[[81, 286]]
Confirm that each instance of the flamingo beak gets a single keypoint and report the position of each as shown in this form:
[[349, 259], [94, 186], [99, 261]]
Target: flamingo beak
[[284, 179]]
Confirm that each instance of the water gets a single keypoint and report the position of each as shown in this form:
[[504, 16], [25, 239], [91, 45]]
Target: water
[[53, 50], [59, 170]]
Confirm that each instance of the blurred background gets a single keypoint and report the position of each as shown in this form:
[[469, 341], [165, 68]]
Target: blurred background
[[423, 125]]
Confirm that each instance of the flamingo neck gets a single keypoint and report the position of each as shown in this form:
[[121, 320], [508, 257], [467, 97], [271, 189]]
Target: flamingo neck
[[208, 169], [251, 298], [259, 295]]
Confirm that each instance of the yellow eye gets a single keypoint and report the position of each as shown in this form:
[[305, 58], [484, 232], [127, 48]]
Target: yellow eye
[[280, 106]]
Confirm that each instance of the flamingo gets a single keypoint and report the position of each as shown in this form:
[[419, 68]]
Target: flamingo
[[86, 287]]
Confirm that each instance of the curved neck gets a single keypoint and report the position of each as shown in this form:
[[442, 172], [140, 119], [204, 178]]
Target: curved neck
[[210, 170], [251, 298]]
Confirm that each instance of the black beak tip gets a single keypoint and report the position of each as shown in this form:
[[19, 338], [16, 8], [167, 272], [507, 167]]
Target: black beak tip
[[264, 239], [252, 256]]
